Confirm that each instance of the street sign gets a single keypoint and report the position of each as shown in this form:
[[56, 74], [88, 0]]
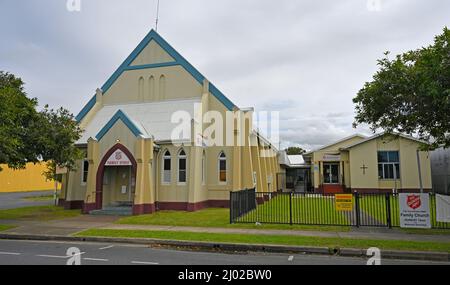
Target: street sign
[[415, 210], [344, 202]]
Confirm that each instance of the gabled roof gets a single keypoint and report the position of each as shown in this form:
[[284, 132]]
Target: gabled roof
[[179, 61], [119, 115], [337, 142], [382, 134]]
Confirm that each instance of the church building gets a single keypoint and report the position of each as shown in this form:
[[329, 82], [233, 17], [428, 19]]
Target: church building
[[381, 163], [140, 156]]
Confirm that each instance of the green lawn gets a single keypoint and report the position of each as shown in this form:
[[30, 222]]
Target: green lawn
[[39, 213], [212, 217], [312, 210], [6, 227], [331, 243]]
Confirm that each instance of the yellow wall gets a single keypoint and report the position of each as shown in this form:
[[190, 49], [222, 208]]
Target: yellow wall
[[29, 179]]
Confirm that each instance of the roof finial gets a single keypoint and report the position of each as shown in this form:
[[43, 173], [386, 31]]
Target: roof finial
[[157, 16]]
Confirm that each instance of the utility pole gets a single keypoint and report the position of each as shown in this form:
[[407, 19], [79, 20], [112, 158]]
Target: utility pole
[[420, 171], [157, 16]]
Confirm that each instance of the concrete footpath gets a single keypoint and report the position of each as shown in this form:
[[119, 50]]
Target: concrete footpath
[[70, 226]]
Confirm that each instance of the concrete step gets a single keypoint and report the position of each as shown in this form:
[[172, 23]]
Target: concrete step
[[113, 211]]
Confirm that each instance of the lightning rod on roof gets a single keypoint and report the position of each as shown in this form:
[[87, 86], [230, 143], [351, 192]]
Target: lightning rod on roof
[[157, 16]]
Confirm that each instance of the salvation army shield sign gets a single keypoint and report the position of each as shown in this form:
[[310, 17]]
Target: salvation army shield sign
[[414, 210], [413, 201]]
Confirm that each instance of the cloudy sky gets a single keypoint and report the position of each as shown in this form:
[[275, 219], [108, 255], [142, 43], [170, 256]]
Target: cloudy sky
[[304, 58]]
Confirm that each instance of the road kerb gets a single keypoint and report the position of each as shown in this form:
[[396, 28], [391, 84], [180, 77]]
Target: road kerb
[[235, 247]]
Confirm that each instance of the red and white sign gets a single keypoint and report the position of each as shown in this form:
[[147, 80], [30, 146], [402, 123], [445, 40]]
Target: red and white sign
[[413, 201], [118, 158], [415, 210]]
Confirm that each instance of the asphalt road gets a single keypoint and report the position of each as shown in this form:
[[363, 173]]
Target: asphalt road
[[55, 253], [16, 200]]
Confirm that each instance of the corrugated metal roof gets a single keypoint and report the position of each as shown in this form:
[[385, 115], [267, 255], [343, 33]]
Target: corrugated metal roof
[[152, 119], [296, 160]]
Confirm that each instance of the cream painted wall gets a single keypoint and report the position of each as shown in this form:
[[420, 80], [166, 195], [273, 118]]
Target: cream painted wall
[[409, 171], [118, 132], [76, 190], [152, 54], [179, 84], [366, 153]]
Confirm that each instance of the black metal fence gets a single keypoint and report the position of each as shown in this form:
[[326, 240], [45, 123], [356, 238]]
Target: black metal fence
[[368, 210], [241, 203]]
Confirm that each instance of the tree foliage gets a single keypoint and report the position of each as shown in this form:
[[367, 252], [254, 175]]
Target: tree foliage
[[410, 94], [30, 136], [293, 150]]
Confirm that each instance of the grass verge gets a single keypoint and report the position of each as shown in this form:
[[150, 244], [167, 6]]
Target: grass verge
[[271, 239], [213, 218], [39, 198], [6, 227], [39, 213]]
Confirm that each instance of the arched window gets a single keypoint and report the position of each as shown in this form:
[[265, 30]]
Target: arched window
[[166, 161], [141, 89], [222, 168], [182, 160], [151, 89], [162, 88]]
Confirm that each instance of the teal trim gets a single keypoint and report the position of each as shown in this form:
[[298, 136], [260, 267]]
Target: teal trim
[[86, 109], [118, 116], [179, 60], [154, 65]]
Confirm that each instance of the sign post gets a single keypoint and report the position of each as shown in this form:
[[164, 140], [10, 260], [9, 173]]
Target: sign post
[[415, 211]]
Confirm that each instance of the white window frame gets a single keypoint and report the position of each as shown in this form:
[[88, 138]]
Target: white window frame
[[219, 159], [179, 157], [396, 175], [164, 157], [84, 183]]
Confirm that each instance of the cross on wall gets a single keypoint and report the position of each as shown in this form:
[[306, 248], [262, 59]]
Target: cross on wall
[[364, 168]]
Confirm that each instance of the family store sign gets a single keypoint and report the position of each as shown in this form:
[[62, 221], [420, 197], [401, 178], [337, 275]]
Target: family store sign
[[118, 158], [415, 211]]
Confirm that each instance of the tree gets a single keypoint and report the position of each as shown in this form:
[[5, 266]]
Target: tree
[[29, 136], [17, 114], [293, 150], [59, 132], [411, 94]]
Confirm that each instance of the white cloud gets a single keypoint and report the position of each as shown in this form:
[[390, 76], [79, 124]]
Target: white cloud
[[306, 59]]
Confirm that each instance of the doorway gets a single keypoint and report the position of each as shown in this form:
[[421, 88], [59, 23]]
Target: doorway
[[331, 173], [116, 178], [118, 187]]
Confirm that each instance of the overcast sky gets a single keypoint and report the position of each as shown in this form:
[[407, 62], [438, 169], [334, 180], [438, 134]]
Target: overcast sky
[[306, 59]]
